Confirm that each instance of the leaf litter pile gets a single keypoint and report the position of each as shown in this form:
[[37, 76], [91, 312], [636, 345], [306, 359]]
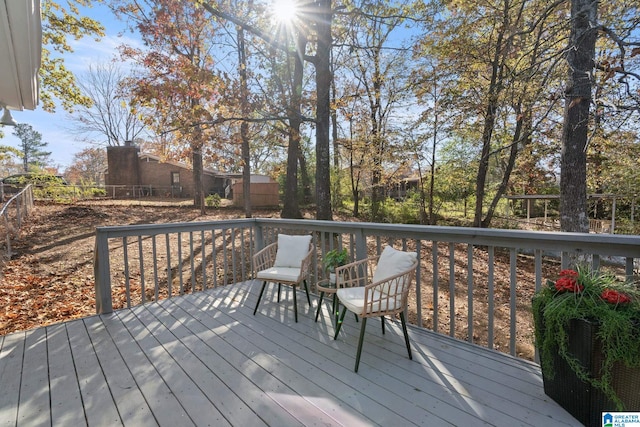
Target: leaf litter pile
[[50, 279]]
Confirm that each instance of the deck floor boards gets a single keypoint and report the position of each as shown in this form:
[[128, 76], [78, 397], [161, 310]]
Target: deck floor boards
[[204, 359]]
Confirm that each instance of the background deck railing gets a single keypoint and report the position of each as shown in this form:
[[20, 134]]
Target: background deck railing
[[13, 214], [484, 278]]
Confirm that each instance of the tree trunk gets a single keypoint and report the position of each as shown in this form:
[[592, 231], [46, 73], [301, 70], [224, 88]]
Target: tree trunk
[[323, 111], [244, 126], [305, 179], [573, 173], [198, 192], [336, 200], [291, 208], [523, 125], [432, 169], [495, 88]]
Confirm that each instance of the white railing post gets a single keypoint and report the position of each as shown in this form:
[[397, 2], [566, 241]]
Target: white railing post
[[102, 273], [259, 237], [361, 244]]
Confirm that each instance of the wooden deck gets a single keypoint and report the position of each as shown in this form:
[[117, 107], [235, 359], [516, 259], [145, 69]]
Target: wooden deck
[[205, 360]]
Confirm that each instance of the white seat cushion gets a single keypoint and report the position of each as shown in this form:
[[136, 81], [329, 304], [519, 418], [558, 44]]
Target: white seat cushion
[[291, 250], [276, 274], [353, 300], [393, 262]]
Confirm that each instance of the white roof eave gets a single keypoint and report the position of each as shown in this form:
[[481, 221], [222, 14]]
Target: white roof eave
[[20, 53]]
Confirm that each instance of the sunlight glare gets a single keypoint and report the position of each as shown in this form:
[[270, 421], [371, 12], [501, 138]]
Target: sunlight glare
[[284, 10]]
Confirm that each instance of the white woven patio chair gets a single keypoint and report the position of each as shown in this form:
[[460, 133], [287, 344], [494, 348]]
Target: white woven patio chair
[[285, 262], [385, 294]]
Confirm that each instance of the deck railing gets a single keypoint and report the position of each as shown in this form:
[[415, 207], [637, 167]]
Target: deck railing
[[13, 214], [484, 277]]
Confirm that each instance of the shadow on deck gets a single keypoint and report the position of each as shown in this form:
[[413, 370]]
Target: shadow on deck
[[204, 359]]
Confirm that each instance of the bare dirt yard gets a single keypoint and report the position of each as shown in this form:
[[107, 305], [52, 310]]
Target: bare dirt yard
[[50, 276]]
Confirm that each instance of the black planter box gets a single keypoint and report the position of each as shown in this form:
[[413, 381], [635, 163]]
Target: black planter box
[[584, 402]]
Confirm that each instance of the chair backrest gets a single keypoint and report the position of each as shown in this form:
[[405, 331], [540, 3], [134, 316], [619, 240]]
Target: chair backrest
[[292, 250], [391, 263]]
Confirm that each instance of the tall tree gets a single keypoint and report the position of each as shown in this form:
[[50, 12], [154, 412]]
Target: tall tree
[[431, 86], [177, 78], [379, 68], [322, 62], [244, 126], [291, 206], [31, 147], [580, 57], [111, 119], [594, 64]]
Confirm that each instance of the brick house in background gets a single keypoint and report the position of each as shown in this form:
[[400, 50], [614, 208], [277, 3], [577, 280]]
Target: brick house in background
[[134, 174]]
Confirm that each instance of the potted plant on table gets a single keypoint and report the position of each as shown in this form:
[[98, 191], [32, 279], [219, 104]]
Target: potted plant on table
[[333, 259], [588, 337]]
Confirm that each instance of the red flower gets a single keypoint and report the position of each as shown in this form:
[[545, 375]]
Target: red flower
[[567, 283], [568, 273], [614, 297]]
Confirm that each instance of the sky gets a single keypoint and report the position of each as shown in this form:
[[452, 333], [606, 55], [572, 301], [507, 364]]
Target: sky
[[56, 128]]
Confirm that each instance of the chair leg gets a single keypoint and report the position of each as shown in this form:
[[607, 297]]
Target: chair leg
[[259, 297], [319, 304], [406, 334], [382, 322], [295, 303], [344, 311], [364, 324], [335, 307], [279, 287], [306, 288]]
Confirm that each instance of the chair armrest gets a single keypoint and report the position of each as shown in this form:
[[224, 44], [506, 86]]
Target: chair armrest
[[356, 273], [390, 295], [265, 258], [305, 267]]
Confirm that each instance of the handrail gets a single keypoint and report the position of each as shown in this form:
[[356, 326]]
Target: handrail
[[182, 257], [23, 202]]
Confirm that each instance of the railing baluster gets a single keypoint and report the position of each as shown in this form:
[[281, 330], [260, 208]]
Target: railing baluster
[[141, 258], [224, 255], [470, 292], [629, 273], [490, 295], [180, 266], [538, 269], [192, 263], [203, 249], [125, 254], [243, 266], [512, 301], [233, 253], [418, 288], [169, 275], [538, 273], [155, 267], [435, 283], [214, 258], [452, 289]]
